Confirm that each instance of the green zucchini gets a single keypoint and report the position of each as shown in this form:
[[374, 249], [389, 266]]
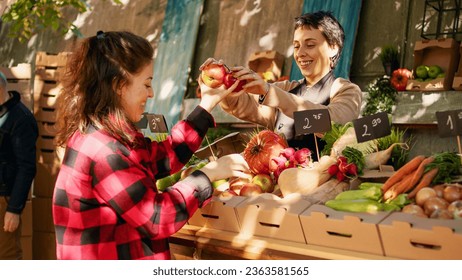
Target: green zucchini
[[374, 193], [355, 205]]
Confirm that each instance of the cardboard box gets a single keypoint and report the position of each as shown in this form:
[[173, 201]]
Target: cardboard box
[[44, 246], [441, 52], [379, 175], [270, 216], [219, 213], [457, 82], [353, 231], [267, 61], [232, 143], [409, 237]]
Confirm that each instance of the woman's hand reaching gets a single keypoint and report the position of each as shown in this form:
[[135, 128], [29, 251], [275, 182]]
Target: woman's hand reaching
[[255, 84]]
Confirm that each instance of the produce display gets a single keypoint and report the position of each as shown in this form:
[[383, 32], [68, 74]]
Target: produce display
[[422, 186], [425, 188]]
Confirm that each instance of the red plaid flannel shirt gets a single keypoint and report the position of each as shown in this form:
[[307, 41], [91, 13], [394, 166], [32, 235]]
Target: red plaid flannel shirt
[[105, 203]]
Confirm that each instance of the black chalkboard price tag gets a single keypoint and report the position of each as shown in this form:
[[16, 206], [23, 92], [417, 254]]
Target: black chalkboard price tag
[[449, 123], [372, 127], [312, 121], [157, 123]]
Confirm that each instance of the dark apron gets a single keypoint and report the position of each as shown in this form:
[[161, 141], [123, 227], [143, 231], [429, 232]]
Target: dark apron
[[318, 94]]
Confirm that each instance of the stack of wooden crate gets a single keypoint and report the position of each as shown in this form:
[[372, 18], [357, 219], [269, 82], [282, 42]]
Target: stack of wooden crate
[[19, 79], [48, 70]]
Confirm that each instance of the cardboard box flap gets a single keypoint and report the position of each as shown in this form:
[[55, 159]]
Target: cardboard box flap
[[398, 218], [384, 171], [438, 43], [292, 203], [324, 212]]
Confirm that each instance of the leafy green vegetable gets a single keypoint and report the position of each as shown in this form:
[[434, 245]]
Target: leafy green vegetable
[[448, 164], [381, 96], [355, 156], [331, 136]]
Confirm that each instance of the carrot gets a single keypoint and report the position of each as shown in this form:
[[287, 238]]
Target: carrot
[[426, 180], [419, 172], [406, 169], [399, 187]]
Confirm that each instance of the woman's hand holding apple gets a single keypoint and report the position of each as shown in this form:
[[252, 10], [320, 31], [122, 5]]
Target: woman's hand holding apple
[[210, 97], [254, 82]]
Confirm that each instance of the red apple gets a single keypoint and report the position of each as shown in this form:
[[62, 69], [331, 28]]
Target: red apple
[[264, 181], [236, 183], [228, 193], [229, 80], [213, 75], [250, 189]]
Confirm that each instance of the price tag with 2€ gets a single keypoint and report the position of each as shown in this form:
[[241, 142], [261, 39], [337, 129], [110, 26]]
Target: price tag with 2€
[[449, 123], [312, 121], [372, 127]]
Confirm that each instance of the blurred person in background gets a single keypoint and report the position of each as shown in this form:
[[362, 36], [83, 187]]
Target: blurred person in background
[[18, 136]]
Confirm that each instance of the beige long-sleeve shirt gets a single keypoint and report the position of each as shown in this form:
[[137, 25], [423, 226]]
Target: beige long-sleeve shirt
[[344, 105]]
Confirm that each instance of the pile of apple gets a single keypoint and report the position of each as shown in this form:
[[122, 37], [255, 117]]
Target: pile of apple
[[425, 73], [260, 183], [215, 75]]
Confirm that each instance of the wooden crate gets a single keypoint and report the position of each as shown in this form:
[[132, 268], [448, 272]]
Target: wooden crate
[[47, 87], [19, 79]]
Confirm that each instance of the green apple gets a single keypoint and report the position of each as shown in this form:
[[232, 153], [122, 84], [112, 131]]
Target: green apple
[[421, 71], [441, 75], [216, 184], [264, 181], [433, 71]]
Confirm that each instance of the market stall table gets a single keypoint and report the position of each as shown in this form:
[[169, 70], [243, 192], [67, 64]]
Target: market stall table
[[193, 242]]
